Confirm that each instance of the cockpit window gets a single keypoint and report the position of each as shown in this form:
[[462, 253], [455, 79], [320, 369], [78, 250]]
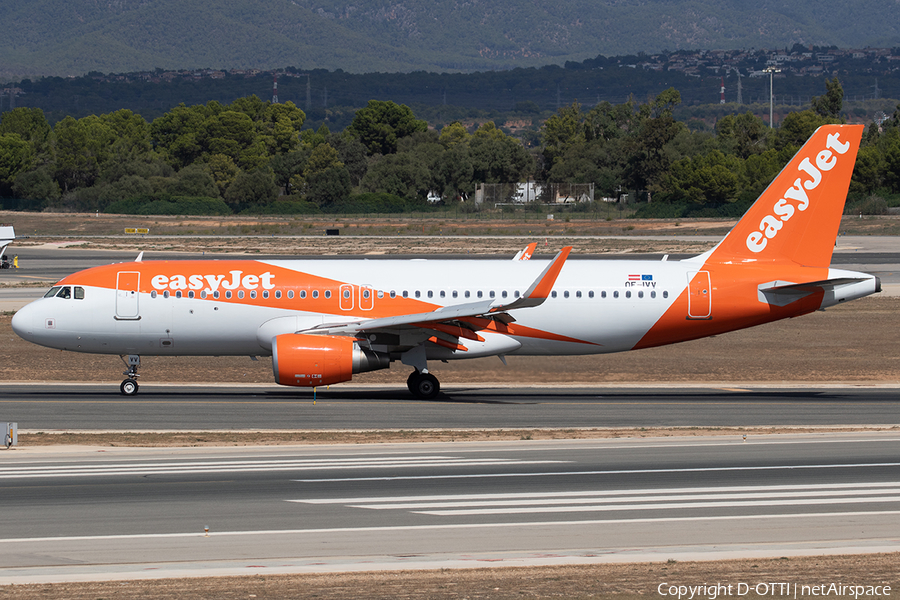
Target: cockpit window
[[64, 292], [52, 292], [79, 293]]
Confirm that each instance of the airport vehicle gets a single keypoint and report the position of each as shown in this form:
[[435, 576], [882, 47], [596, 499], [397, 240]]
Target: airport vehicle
[[323, 321]]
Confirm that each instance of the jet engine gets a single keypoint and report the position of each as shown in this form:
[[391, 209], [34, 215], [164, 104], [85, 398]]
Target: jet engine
[[312, 360]]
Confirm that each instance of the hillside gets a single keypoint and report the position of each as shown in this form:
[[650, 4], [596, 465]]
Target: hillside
[[46, 37]]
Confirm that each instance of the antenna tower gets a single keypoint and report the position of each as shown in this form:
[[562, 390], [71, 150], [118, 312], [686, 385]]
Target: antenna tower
[[740, 98], [275, 89], [722, 92]]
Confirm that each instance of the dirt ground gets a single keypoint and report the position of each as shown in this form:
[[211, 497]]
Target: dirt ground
[[498, 234], [619, 581]]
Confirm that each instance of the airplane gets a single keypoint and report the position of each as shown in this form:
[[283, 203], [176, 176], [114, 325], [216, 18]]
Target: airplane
[[7, 235], [322, 321]]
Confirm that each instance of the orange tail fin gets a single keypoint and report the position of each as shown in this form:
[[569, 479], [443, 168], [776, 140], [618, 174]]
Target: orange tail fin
[[797, 217]]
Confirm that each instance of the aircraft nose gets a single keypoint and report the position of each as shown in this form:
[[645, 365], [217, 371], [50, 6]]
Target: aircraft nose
[[22, 322]]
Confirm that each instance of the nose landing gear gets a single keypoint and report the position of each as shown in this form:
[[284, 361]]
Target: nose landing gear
[[129, 387]]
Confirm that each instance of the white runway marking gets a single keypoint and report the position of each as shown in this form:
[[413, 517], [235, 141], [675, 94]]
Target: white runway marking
[[628, 500], [542, 524], [243, 466], [612, 472]]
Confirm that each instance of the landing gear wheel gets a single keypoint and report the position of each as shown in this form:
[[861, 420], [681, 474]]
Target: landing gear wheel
[[129, 387], [424, 386]]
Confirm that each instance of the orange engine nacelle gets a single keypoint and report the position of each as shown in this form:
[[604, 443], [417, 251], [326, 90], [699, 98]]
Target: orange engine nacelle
[[313, 360]]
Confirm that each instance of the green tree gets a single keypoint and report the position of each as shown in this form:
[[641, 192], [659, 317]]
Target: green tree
[[250, 190], [381, 123], [498, 158], [742, 135], [327, 180], [37, 185], [398, 174], [711, 178], [32, 126], [82, 146], [16, 156], [829, 105], [223, 170]]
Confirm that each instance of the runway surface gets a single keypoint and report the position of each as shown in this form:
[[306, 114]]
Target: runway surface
[[44, 407], [127, 513]]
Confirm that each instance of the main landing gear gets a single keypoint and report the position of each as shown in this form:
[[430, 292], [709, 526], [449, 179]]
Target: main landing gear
[[130, 386], [423, 386]]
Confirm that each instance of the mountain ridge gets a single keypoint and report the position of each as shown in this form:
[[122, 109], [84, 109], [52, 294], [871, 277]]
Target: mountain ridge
[[45, 37]]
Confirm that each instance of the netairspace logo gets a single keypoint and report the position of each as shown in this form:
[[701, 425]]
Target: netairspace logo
[[778, 590]]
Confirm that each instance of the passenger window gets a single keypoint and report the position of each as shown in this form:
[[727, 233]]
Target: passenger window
[[227, 295], [405, 294], [591, 294], [503, 294], [327, 294], [79, 293], [303, 294], [455, 294], [665, 294], [443, 294], [166, 294], [253, 294], [240, 294], [393, 294], [203, 294], [468, 293], [290, 294], [51, 292], [216, 294], [418, 294], [516, 293], [265, 293], [278, 294], [430, 294], [480, 294], [553, 294], [381, 294], [578, 294], [628, 294], [191, 294], [153, 294], [178, 294], [653, 294], [566, 294], [347, 294], [315, 294], [366, 294], [640, 294], [491, 294], [616, 294]]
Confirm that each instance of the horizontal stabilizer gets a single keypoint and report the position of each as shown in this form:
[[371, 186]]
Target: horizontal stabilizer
[[782, 293]]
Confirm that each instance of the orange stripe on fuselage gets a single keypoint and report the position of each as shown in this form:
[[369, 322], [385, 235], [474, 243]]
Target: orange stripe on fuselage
[[246, 276], [234, 273], [735, 303]]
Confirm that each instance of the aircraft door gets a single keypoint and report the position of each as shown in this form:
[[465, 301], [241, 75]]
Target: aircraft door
[[127, 288], [346, 293], [699, 295], [366, 297]]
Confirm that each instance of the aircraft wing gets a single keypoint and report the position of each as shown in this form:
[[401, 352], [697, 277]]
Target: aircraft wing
[[496, 308]]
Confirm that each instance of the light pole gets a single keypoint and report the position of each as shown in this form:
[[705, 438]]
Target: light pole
[[771, 71]]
